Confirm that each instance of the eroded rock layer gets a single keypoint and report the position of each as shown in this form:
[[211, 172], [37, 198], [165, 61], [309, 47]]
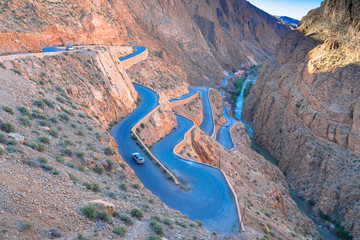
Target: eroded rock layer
[[305, 110]]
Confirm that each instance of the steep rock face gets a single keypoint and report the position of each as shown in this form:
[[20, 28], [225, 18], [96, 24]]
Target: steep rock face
[[256, 182], [191, 108], [304, 109], [206, 36], [157, 124], [95, 80], [215, 98], [187, 39]]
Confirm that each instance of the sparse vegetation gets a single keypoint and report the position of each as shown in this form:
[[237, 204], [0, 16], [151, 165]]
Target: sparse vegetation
[[126, 219], [137, 213], [156, 227], [92, 186], [25, 121], [121, 231], [90, 211], [109, 151], [8, 109], [7, 127], [123, 186], [98, 169]]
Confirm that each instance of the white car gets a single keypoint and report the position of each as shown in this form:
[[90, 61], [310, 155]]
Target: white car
[[68, 48], [138, 158]]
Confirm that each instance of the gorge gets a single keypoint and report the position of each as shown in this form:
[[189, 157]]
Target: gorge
[[162, 78]]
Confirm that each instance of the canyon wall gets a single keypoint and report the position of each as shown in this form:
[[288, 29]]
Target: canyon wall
[[304, 108], [187, 40]]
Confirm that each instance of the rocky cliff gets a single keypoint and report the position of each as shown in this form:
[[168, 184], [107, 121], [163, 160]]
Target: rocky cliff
[[305, 110], [186, 39]]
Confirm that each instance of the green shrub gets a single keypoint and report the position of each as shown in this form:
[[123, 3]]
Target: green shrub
[[156, 218], [142, 125], [92, 186], [25, 121], [17, 71], [60, 99], [247, 89], [47, 167], [167, 222], [340, 231], [123, 165], [126, 219], [3, 138], [324, 216], [109, 151], [2, 151], [104, 216], [45, 123], [200, 223], [180, 224], [90, 211], [39, 103], [121, 231], [110, 164], [42, 159], [154, 237], [135, 212], [64, 117], [69, 143], [2, 65], [8, 109], [135, 185], [98, 169], [123, 186], [44, 139], [48, 102], [67, 152], [13, 142], [23, 110], [59, 158], [81, 168], [37, 146], [192, 224], [80, 154], [56, 172], [351, 113], [28, 224], [311, 202], [156, 227], [7, 127], [54, 133]]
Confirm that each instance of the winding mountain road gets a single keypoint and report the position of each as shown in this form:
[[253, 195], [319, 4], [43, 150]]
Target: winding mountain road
[[209, 199]]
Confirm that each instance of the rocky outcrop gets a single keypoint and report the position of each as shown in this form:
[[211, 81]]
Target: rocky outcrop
[[191, 108], [304, 109], [216, 104], [157, 124], [257, 183], [102, 205]]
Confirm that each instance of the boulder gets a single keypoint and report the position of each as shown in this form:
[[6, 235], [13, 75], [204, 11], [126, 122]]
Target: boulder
[[18, 137], [103, 206]]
